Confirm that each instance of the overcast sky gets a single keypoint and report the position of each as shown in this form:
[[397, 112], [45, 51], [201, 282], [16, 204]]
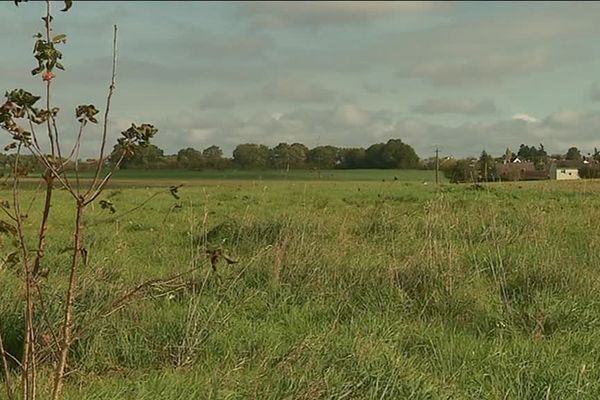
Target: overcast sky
[[466, 76]]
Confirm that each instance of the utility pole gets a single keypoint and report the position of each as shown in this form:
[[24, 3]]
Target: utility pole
[[437, 165]]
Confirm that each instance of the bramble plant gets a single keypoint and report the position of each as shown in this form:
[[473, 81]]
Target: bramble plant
[[20, 115]]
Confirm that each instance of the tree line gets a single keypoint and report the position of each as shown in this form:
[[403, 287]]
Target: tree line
[[483, 169], [392, 154]]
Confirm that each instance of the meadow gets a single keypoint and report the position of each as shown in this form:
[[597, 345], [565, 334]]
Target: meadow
[[131, 176], [343, 289]]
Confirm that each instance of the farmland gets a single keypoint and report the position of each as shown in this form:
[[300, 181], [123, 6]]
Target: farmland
[[343, 289]]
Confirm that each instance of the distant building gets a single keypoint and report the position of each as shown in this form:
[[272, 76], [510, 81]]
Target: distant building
[[565, 169], [516, 170]]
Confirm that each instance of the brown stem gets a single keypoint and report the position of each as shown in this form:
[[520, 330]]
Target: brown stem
[[48, 83], [102, 184], [142, 204], [127, 297], [48, 177], [111, 89], [9, 393], [28, 377], [67, 325]]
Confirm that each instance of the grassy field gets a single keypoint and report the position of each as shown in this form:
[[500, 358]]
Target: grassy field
[[343, 290], [159, 176]]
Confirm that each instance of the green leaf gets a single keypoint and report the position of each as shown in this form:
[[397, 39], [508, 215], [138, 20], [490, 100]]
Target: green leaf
[[37, 70], [60, 66], [60, 38], [68, 4]]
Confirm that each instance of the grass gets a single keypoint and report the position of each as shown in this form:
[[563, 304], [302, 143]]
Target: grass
[[343, 290], [274, 175]]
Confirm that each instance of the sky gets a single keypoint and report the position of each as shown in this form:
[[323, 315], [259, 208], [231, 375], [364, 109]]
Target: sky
[[464, 76]]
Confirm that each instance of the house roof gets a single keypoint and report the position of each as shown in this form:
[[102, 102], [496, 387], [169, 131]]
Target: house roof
[[568, 163]]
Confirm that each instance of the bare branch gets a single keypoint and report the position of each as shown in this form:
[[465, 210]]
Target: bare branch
[[7, 384], [111, 89], [104, 181]]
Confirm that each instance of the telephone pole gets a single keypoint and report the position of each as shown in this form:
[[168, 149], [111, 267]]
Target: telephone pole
[[437, 165]]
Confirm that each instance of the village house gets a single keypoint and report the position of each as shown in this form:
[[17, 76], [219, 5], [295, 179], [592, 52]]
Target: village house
[[518, 170], [565, 169]]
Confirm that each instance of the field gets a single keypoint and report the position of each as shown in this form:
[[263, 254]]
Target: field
[[344, 289], [152, 177]]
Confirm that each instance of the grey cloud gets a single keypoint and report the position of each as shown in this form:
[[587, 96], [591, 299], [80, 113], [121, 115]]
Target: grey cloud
[[477, 70], [493, 49], [326, 13], [296, 89], [455, 106], [594, 93], [558, 131], [219, 99], [352, 125], [346, 124]]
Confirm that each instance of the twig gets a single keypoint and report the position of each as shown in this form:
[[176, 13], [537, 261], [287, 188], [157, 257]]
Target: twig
[[9, 394], [111, 88]]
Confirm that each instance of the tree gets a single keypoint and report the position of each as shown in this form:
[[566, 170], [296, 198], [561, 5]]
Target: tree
[[280, 156], [508, 155], [486, 167], [298, 155], [373, 155], [146, 157], [213, 156], [464, 170], [251, 155], [573, 154], [324, 157], [353, 158], [190, 158], [396, 154], [538, 156], [21, 118], [393, 154], [285, 156]]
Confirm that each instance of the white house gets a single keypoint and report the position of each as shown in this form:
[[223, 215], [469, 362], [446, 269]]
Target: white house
[[565, 170]]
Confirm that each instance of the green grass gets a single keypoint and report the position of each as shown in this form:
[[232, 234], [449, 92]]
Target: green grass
[[270, 175], [343, 290]]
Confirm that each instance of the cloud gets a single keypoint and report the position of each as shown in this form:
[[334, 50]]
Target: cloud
[[490, 49], [302, 14], [219, 99], [295, 89], [475, 69], [455, 106], [524, 117], [594, 93]]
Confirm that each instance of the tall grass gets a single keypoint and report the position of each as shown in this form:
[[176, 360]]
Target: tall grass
[[357, 290]]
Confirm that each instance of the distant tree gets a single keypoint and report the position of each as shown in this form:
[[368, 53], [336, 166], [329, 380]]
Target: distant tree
[[538, 156], [508, 155], [373, 155], [324, 157], [148, 156], [463, 170], [251, 155], [589, 171], [397, 154], [213, 156], [190, 158], [573, 154], [298, 155], [279, 156], [353, 158], [486, 167], [393, 154]]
